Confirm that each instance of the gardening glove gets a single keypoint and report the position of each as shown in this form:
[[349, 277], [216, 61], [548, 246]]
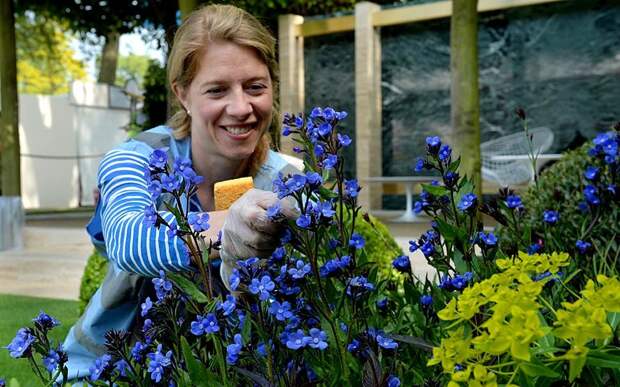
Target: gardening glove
[[248, 231]]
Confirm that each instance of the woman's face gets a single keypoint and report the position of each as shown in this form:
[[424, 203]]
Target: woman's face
[[230, 101]]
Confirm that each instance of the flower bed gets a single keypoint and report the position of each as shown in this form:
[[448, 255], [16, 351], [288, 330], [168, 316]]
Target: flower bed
[[511, 310]]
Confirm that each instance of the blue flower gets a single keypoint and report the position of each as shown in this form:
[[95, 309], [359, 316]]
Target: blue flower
[[296, 340], [343, 327], [158, 363], [418, 206], [382, 304], [413, 246], [426, 300], [228, 306], [351, 188], [445, 152], [314, 179], [154, 188], [488, 239], [513, 201], [138, 350], [329, 113], [386, 342], [297, 149], [589, 192], [432, 144], [286, 130], [150, 216], [325, 129], [204, 325], [419, 164], [319, 150], [428, 249], [51, 361], [467, 201], [357, 241], [296, 183], [300, 270], [534, 248], [199, 221], [234, 280], [330, 161], [163, 287], [46, 321], [341, 115], [183, 166], [262, 287], [335, 266], [591, 172], [459, 282], [303, 221], [299, 121], [100, 367], [402, 264], [582, 246], [550, 216], [121, 366], [146, 306], [344, 140], [393, 381], [325, 209], [20, 345], [282, 311], [170, 183], [278, 253], [316, 112], [159, 158], [317, 339], [353, 346], [359, 285]]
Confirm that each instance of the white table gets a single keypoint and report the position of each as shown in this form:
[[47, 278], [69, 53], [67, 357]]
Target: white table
[[409, 182], [541, 159]]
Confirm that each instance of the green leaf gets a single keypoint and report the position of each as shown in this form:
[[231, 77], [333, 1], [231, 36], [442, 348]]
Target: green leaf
[[459, 263], [447, 230], [575, 367], [603, 359], [247, 330], [415, 341], [199, 374], [435, 190], [188, 287], [532, 369], [13, 383], [454, 166], [613, 318]]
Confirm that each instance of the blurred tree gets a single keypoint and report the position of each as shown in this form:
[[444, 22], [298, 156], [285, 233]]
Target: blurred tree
[[155, 95], [465, 99], [132, 67], [45, 61], [10, 184]]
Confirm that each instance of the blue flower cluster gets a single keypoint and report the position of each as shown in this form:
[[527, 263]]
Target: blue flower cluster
[[458, 282]]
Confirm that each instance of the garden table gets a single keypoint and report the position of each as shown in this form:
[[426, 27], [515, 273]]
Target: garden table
[[408, 181], [540, 160]]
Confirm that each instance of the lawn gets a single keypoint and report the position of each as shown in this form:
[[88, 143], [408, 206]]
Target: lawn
[[17, 312]]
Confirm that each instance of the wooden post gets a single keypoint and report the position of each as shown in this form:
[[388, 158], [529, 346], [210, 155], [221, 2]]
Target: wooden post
[[291, 52], [367, 103], [10, 184], [465, 106]]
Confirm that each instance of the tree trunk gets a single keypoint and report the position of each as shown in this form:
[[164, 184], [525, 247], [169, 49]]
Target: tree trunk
[[465, 107], [109, 59], [10, 183]]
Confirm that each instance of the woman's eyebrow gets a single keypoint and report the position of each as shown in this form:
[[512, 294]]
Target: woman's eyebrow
[[215, 82]]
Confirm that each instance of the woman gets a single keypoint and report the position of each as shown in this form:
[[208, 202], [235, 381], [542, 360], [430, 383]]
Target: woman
[[223, 71]]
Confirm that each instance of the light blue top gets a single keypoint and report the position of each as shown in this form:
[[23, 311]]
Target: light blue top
[[134, 250]]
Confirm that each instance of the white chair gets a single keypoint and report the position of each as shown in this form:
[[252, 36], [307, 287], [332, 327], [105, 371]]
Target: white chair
[[505, 159]]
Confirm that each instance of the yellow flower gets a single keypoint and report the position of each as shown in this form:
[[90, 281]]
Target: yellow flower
[[453, 350]]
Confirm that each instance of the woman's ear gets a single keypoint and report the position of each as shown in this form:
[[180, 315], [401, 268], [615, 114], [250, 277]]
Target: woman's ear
[[181, 94]]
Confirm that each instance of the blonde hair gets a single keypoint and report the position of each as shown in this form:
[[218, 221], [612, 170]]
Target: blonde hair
[[220, 22]]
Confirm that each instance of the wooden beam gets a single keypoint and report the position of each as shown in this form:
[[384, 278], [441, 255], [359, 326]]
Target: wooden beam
[[327, 26], [442, 9]]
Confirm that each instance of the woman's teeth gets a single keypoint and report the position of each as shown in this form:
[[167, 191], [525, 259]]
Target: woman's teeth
[[236, 131]]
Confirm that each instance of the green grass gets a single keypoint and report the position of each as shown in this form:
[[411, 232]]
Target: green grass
[[17, 312]]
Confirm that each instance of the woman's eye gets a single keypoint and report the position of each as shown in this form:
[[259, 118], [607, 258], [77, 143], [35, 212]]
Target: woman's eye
[[257, 87], [214, 90]]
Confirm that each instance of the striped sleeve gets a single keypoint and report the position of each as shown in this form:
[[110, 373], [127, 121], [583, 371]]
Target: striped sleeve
[[132, 245]]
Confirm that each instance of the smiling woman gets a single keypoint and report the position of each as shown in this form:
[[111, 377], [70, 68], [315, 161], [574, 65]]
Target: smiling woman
[[223, 71]]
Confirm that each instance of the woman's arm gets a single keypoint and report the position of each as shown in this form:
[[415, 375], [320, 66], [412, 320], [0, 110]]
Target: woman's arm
[[132, 245]]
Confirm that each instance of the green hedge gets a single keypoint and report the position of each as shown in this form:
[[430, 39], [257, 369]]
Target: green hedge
[[380, 247]]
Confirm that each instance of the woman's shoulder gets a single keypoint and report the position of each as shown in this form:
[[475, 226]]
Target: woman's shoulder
[[155, 138]]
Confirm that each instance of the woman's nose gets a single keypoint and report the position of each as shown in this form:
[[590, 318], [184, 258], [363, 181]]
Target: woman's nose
[[239, 105]]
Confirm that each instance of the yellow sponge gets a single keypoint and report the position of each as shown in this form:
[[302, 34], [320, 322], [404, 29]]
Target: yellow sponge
[[226, 192]]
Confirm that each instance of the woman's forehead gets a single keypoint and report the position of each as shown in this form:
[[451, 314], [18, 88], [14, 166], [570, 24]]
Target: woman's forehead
[[228, 61]]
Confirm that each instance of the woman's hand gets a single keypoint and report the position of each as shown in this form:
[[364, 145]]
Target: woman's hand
[[248, 231]]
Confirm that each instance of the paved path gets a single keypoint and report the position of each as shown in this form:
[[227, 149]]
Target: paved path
[[55, 253], [50, 264]]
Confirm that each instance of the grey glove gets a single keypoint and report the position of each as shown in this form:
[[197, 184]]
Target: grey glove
[[248, 231]]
